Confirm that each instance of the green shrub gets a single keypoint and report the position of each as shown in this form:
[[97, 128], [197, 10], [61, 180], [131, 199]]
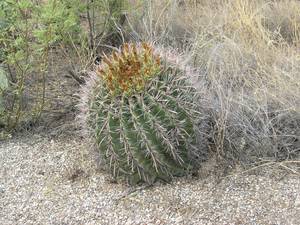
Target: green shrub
[[140, 109], [32, 32], [17, 55]]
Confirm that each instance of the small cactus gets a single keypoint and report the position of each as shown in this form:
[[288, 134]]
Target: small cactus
[[140, 109]]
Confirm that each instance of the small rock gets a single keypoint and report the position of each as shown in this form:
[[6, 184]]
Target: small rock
[[2, 190], [297, 201]]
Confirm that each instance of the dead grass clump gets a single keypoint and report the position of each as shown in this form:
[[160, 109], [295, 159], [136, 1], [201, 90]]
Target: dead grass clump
[[282, 18], [249, 75]]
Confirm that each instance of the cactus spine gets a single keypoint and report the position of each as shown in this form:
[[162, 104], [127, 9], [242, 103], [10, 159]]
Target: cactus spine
[[141, 113]]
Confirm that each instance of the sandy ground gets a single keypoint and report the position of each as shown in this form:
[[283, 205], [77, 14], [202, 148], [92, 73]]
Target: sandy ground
[[45, 181]]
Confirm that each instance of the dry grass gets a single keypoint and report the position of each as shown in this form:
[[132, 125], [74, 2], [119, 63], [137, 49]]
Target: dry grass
[[248, 57]]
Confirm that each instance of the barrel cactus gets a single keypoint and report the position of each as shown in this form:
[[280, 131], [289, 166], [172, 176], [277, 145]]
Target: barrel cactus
[[140, 109]]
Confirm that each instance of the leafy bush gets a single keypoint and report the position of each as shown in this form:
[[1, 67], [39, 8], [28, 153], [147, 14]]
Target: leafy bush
[[20, 57], [140, 109], [33, 32]]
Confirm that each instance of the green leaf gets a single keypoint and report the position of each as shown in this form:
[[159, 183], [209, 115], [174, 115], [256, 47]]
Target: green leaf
[[25, 4]]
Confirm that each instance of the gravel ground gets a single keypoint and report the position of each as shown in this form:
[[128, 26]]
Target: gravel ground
[[44, 181]]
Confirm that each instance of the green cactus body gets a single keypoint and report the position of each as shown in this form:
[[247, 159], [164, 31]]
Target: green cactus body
[[144, 129]]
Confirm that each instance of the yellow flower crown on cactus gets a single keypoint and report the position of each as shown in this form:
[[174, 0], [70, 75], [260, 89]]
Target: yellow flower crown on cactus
[[127, 71]]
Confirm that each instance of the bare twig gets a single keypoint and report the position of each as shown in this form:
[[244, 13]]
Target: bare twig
[[76, 77], [90, 22]]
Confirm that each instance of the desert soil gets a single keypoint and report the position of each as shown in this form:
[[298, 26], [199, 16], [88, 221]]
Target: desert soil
[[55, 181]]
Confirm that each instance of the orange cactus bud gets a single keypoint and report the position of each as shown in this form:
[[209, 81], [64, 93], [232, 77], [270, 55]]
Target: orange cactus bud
[[128, 70], [145, 46], [99, 70], [115, 56], [134, 49], [126, 48], [107, 61], [157, 59]]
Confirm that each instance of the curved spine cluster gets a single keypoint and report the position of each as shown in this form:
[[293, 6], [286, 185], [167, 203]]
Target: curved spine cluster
[[128, 70]]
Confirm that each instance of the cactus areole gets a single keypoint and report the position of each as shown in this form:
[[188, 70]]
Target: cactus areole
[[141, 113]]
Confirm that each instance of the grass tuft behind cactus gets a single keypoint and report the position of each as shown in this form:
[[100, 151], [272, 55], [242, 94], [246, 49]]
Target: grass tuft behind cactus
[[141, 111]]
